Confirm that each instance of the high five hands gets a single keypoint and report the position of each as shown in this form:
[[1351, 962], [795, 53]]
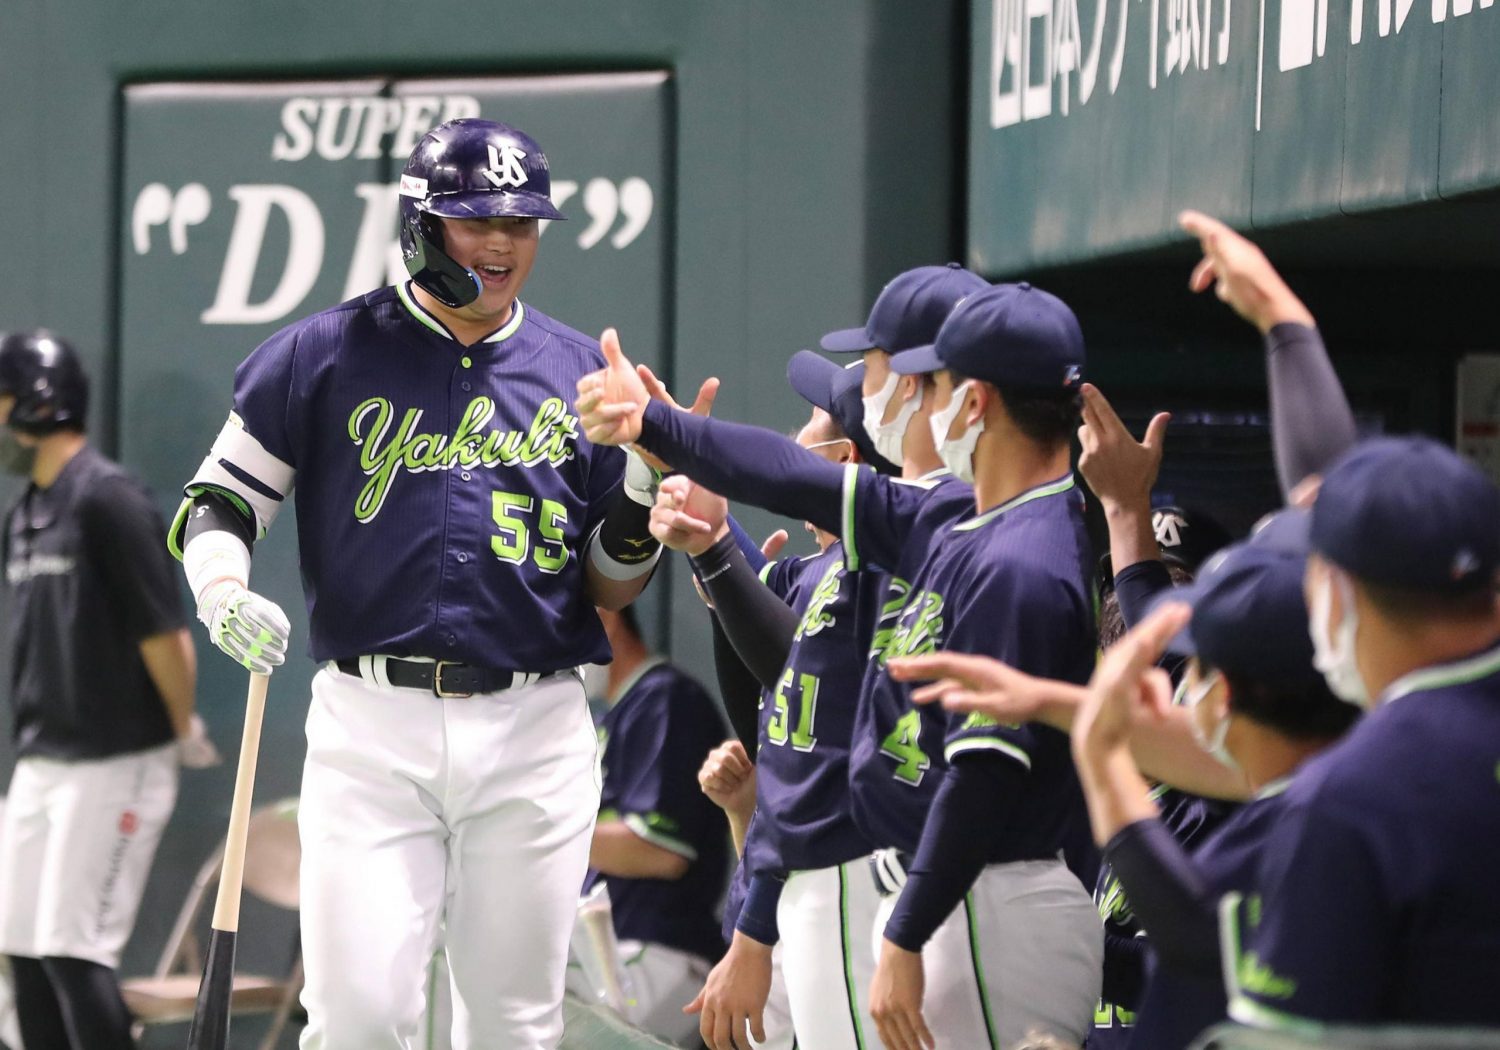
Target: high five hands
[[612, 401]]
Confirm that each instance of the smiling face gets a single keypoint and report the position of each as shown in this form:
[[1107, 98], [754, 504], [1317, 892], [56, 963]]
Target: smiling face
[[501, 251]]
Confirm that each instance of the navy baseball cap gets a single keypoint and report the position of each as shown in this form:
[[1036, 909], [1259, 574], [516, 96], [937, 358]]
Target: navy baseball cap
[[1409, 512], [1011, 335], [1249, 616], [838, 391], [909, 310]]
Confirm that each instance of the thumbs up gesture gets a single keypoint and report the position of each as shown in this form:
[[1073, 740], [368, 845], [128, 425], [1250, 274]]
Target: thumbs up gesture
[[612, 400]]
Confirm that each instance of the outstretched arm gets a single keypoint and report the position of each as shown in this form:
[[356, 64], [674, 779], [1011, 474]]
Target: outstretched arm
[[1311, 422]]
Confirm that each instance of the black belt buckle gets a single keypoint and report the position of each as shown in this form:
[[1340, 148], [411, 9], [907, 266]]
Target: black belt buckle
[[439, 689]]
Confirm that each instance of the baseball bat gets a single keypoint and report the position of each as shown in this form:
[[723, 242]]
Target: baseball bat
[[210, 1027]]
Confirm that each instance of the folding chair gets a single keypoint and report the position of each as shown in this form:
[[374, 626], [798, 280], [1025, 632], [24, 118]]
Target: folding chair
[[272, 855]]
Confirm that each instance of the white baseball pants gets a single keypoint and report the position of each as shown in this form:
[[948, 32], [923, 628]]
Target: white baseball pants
[[76, 849], [823, 917], [1023, 951], [417, 809]]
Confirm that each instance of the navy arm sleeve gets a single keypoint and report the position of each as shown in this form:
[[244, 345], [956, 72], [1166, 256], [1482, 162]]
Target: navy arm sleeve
[[975, 793], [739, 690], [747, 463], [1311, 422], [758, 623], [1124, 970], [1171, 900], [1137, 587]]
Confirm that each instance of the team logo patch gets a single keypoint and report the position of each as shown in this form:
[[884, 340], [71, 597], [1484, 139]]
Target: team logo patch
[[412, 186], [505, 167], [129, 822]]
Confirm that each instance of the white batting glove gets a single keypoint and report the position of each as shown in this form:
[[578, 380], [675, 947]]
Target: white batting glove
[[641, 478], [251, 629], [195, 750]]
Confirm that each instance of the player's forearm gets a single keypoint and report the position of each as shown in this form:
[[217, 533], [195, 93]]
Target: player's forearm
[[173, 666], [758, 624], [618, 851], [747, 463], [739, 826], [1131, 537], [1116, 793], [1168, 895], [1311, 422], [1138, 585], [1168, 751], [967, 813], [738, 689], [621, 555]]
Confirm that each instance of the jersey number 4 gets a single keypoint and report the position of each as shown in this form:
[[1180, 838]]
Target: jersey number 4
[[776, 729], [514, 543], [902, 745]]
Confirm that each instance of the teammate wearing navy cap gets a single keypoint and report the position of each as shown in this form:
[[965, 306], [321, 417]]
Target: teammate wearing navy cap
[[1376, 902], [959, 586], [1260, 706], [908, 312], [455, 532], [659, 845], [101, 683]]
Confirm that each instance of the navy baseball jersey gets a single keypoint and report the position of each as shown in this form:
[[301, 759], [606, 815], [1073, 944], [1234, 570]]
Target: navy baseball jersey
[[88, 581], [1009, 583], [445, 493], [1191, 820], [1176, 1007], [654, 740], [1377, 899], [803, 820]]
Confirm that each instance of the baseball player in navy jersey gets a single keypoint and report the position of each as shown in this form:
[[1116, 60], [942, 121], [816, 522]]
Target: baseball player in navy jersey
[[659, 845], [1374, 904], [810, 888], [1259, 705], [1010, 578], [102, 675], [455, 532]]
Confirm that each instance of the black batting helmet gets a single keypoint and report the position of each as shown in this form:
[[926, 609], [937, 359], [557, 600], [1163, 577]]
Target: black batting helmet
[[467, 169], [43, 373]]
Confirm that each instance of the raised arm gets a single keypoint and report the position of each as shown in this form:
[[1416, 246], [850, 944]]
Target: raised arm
[[1311, 422]]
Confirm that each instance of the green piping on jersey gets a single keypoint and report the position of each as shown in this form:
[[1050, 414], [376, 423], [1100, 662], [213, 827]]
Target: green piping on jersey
[[851, 485], [1039, 492], [982, 988], [765, 572], [517, 316], [1458, 673], [644, 825], [987, 743], [859, 1030], [1241, 1007]]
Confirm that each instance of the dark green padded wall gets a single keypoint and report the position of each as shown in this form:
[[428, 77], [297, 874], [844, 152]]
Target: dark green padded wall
[[808, 152]]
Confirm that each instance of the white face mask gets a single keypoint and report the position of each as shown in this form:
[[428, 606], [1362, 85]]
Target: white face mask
[[1333, 651], [889, 437], [957, 453], [1212, 742]]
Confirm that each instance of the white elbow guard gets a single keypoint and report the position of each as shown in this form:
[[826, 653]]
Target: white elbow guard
[[240, 467]]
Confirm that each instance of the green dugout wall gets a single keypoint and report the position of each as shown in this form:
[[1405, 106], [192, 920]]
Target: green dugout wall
[[743, 175], [188, 177]]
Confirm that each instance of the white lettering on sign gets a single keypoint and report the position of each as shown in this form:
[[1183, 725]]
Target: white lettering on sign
[[617, 213], [363, 127], [1042, 52]]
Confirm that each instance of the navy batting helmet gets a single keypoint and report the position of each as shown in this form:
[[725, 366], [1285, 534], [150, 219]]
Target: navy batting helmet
[[467, 169], [43, 373]]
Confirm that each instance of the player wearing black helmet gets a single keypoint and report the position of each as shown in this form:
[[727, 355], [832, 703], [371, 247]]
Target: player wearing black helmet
[[101, 687]]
